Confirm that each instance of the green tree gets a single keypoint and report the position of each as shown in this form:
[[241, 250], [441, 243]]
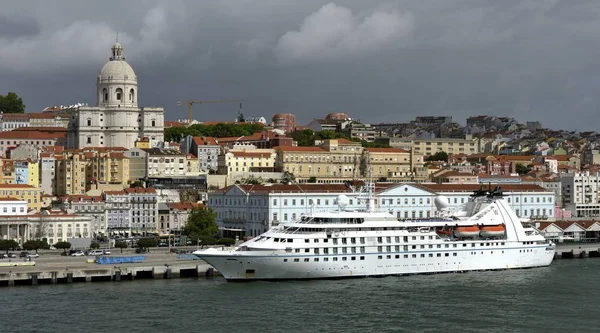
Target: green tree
[[35, 245], [312, 179], [137, 183], [226, 241], [63, 245], [11, 103], [120, 245], [288, 177], [521, 169], [439, 156], [8, 244], [201, 225], [94, 245], [145, 243], [304, 138]]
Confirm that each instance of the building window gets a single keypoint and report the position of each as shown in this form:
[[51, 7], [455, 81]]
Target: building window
[[89, 122], [119, 93], [153, 123], [105, 93], [89, 139]]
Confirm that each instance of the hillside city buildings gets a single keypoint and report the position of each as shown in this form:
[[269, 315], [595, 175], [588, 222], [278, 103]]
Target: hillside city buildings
[[105, 171]]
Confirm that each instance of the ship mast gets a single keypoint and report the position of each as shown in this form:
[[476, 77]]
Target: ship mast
[[370, 187]]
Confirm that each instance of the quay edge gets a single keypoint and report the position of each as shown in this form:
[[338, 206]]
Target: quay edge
[[98, 274]]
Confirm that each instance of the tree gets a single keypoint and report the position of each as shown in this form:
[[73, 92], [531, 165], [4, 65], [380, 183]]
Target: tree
[[137, 183], [226, 241], [145, 243], [521, 169], [439, 156], [94, 245], [288, 177], [201, 225], [11, 103], [312, 179], [63, 245], [35, 245], [8, 244], [120, 245]]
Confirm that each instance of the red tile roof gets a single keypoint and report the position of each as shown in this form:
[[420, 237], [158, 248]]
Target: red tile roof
[[250, 154], [205, 141], [293, 188], [183, 205], [32, 135]]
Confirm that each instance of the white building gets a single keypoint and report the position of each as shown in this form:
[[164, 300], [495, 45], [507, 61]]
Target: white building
[[88, 205], [580, 193], [116, 120], [165, 163], [248, 210], [144, 210]]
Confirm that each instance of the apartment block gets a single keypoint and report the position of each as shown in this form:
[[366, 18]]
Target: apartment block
[[24, 192]]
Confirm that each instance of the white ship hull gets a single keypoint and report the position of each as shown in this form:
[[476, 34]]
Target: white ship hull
[[238, 266]]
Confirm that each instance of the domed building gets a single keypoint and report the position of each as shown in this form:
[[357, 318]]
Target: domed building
[[116, 120]]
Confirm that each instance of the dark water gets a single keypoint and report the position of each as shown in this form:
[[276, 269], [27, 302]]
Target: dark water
[[562, 298]]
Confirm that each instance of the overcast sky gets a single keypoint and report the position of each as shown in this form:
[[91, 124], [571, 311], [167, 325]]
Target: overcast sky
[[379, 62]]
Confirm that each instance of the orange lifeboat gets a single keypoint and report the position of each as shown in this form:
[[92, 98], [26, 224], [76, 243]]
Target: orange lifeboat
[[467, 232], [492, 230], [444, 232]]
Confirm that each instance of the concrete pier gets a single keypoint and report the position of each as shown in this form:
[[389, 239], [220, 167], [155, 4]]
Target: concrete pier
[[55, 269], [577, 251]]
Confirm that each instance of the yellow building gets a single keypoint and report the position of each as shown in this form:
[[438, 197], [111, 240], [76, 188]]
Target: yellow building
[[241, 162], [24, 192], [78, 171], [393, 164], [333, 160]]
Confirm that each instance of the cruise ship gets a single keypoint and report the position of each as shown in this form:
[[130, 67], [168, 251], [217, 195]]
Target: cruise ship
[[483, 234]]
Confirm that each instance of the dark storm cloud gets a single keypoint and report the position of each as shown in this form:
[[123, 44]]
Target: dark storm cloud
[[387, 61]]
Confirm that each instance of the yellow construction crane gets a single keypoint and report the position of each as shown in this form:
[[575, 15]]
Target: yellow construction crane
[[191, 103]]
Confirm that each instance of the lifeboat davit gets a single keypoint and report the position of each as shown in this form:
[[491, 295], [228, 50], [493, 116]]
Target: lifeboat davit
[[467, 232], [492, 230]]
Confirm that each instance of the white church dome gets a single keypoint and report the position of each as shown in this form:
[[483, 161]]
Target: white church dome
[[117, 83], [117, 70]]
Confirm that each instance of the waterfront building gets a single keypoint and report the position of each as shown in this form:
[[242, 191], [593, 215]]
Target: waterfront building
[[248, 210], [116, 120], [92, 206], [144, 210], [58, 226], [580, 193], [178, 215], [118, 208]]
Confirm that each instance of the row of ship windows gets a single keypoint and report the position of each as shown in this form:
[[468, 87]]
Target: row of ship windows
[[388, 248], [397, 256], [380, 241]]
